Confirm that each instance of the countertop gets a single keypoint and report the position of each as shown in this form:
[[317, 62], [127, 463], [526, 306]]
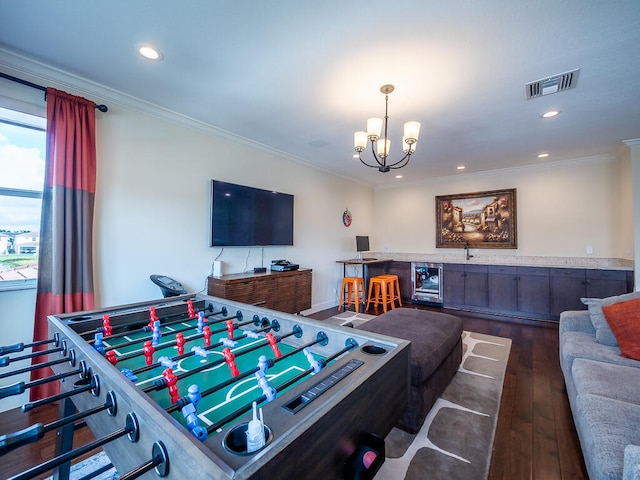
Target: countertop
[[480, 258]]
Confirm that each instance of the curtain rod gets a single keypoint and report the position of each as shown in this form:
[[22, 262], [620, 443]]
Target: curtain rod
[[102, 108]]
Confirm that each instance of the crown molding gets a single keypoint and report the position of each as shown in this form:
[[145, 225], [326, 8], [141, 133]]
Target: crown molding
[[40, 73]]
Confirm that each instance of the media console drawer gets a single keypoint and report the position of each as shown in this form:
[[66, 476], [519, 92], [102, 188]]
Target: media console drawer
[[282, 291]]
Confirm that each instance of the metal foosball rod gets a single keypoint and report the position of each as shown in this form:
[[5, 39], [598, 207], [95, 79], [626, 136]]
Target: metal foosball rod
[[21, 387], [147, 328], [91, 383], [182, 402], [245, 408], [238, 316], [159, 461], [144, 322], [19, 347], [131, 429], [186, 354], [70, 357], [161, 383], [4, 361], [35, 432]]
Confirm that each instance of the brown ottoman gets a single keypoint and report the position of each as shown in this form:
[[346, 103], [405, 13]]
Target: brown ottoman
[[436, 353]]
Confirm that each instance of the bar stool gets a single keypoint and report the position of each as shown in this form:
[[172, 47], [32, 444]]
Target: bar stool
[[393, 289], [354, 293], [379, 288]]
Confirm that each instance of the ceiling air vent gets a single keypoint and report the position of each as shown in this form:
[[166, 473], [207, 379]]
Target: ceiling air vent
[[554, 84]]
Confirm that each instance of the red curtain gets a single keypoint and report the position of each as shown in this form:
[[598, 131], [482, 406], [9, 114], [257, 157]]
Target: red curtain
[[65, 264]]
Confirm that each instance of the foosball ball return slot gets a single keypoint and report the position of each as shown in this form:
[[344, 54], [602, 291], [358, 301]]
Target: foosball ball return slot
[[367, 459]]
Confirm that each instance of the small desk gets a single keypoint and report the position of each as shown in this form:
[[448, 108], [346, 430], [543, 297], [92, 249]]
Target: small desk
[[365, 269]]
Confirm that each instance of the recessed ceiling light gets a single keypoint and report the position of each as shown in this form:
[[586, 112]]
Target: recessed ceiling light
[[460, 167], [398, 176], [150, 53], [550, 113], [355, 155], [543, 155]]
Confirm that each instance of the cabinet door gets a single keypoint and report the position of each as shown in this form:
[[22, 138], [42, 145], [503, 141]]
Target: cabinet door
[[567, 286], [476, 285], [533, 290], [503, 287], [403, 271], [606, 283], [453, 284]]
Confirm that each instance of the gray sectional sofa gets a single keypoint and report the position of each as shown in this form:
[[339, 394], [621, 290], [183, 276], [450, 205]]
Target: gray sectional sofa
[[604, 392]]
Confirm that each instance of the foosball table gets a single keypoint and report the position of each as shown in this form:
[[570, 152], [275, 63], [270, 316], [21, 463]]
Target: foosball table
[[171, 388]]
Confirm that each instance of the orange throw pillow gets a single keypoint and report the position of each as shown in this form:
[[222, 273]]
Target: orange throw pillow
[[624, 320]]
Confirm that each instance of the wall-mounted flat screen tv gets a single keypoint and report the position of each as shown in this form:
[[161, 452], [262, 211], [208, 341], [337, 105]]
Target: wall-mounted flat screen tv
[[243, 216]]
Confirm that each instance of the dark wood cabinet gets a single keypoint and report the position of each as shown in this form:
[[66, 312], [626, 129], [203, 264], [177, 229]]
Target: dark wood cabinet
[[569, 285], [283, 291], [503, 287], [519, 289], [465, 285], [453, 284], [533, 290], [401, 269]]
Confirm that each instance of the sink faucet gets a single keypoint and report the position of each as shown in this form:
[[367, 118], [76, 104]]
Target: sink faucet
[[466, 246]]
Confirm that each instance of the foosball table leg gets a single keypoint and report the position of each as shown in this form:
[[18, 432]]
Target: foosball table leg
[[64, 439]]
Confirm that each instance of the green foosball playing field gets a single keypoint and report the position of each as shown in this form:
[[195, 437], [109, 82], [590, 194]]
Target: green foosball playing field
[[223, 396]]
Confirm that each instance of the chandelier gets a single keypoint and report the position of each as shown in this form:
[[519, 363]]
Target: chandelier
[[380, 147]]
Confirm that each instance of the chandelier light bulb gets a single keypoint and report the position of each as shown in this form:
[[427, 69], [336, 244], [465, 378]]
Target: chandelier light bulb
[[374, 128], [408, 147], [382, 146], [360, 141], [412, 131]]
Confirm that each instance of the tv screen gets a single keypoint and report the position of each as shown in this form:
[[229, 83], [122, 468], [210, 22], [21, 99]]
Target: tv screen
[[243, 216], [362, 244]]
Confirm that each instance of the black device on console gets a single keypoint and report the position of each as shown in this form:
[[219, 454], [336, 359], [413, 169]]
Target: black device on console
[[283, 266], [168, 286]]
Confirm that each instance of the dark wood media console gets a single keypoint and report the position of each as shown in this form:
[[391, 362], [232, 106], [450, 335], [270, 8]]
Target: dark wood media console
[[311, 442], [283, 291]]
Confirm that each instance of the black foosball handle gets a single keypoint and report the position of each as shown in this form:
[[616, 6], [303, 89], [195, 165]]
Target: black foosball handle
[[18, 347], [17, 439], [15, 389]]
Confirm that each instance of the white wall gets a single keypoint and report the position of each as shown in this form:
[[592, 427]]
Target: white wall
[[17, 308], [152, 208], [561, 209]]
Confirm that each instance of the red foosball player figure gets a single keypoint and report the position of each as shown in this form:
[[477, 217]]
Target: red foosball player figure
[[152, 317], [230, 328], [206, 333], [111, 356], [171, 380], [180, 341], [106, 325], [230, 358], [274, 344], [148, 352], [190, 311]]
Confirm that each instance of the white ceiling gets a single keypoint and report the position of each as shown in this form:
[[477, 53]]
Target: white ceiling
[[300, 76]]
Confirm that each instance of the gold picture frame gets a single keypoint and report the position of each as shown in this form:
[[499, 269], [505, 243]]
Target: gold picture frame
[[477, 220]]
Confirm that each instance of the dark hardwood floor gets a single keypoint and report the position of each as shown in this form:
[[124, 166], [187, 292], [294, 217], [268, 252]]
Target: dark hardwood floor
[[535, 436]]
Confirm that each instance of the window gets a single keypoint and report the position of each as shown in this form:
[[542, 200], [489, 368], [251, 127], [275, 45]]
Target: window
[[22, 164]]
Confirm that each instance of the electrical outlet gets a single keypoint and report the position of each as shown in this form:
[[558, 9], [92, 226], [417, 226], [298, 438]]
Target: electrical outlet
[[589, 250]]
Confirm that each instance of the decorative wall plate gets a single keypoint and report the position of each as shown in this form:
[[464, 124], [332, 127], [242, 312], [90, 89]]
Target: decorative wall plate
[[347, 218]]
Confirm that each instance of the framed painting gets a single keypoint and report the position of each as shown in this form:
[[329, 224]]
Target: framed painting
[[477, 220]]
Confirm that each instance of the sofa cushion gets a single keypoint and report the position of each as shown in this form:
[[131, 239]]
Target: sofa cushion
[[432, 335], [607, 380], [584, 345], [604, 334], [624, 320], [605, 427]]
